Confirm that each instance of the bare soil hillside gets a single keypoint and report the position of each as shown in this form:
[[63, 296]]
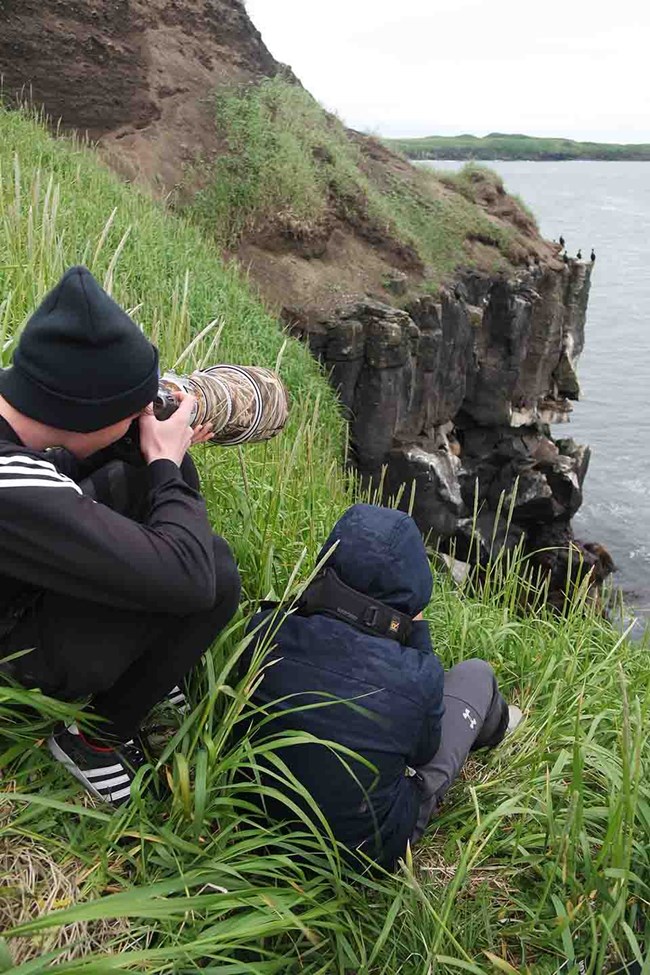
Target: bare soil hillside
[[135, 74]]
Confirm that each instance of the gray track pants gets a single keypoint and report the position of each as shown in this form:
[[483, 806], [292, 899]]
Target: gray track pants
[[474, 713]]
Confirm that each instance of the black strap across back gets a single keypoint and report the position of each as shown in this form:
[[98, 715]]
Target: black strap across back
[[329, 595]]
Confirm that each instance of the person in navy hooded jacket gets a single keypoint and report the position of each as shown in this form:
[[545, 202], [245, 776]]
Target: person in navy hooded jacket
[[390, 703]]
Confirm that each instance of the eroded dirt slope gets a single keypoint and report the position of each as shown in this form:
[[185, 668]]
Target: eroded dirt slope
[[137, 74]]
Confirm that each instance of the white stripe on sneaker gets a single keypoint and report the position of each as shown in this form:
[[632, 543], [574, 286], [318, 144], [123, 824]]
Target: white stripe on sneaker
[[113, 796], [106, 770], [109, 783]]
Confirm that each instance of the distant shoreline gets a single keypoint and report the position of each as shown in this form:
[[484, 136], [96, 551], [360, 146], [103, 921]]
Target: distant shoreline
[[501, 147]]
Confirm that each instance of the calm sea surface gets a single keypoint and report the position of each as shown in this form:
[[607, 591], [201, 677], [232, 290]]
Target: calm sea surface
[[606, 206]]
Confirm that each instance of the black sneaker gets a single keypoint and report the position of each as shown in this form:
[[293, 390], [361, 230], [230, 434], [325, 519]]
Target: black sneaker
[[107, 773]]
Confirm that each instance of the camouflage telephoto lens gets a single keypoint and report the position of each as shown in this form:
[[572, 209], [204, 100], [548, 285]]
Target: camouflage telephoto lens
[[244, 404]]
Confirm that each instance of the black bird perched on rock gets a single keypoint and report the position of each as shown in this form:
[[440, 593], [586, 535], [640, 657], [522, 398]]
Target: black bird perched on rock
[[561, 241], [566, 258], [593, 255], [579, 255]]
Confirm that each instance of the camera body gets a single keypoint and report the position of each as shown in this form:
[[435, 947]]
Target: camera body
[[165, 403], [244, 404]]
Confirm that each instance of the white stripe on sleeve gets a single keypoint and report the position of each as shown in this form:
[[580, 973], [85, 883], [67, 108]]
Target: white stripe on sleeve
[[26, 459], [39, 473], [33, 471], [42, 482]]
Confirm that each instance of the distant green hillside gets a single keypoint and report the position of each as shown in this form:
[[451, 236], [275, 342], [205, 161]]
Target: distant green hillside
[[498, 145]]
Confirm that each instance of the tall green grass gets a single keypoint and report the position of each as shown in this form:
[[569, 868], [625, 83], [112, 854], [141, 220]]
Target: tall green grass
[[539, 860]]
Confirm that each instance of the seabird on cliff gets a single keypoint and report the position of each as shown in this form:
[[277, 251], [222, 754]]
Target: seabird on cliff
[[579, 255], [561, 241], [593, 255], [566, 258]]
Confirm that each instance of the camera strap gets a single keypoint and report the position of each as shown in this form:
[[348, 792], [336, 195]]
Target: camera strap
[[329, 595]]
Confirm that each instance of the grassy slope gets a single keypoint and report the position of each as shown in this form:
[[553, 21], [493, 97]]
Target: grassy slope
[[288, 166], [502, 146], [541, 853]]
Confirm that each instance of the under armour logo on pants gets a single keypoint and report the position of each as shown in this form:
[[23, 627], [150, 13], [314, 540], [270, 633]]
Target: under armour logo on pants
[[468, 717]]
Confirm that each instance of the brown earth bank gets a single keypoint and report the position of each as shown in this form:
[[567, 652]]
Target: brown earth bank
[[136, 74], [445, 388]]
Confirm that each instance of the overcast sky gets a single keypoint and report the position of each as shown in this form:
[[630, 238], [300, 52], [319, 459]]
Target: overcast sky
[[420, 67]]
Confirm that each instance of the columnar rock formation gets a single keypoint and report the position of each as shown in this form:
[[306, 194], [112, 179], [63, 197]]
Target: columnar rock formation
[[454, 399]]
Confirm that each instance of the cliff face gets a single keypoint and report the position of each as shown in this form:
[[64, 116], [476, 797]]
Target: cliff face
[[454, 399]]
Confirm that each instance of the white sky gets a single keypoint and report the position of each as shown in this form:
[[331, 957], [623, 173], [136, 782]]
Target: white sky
[[421, 67]]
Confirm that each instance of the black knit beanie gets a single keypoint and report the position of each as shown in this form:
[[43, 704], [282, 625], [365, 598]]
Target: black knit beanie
[[81, 363]]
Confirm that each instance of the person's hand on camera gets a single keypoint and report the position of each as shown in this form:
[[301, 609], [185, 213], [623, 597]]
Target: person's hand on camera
[[170, 439]]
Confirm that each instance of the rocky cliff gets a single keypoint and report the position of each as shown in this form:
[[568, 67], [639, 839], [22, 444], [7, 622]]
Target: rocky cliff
[[450, 403]]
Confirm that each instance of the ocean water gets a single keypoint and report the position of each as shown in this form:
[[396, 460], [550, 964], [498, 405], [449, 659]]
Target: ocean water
[[606, 205]]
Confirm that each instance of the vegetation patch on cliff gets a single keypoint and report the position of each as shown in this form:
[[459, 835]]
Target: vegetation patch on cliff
[[539, 860], [289, 176]]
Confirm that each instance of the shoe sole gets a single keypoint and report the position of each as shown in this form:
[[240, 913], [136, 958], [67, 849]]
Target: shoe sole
[[73, 769], [515, 718]]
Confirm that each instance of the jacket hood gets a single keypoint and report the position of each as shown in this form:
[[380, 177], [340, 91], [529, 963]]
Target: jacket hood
[[380, 552]]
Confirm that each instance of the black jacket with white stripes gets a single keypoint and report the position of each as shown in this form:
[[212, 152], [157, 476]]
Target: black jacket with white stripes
[[54, 537]]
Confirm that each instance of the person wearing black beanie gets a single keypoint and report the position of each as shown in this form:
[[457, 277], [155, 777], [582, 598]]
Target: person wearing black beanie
[[81, 363], [110, 575]]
